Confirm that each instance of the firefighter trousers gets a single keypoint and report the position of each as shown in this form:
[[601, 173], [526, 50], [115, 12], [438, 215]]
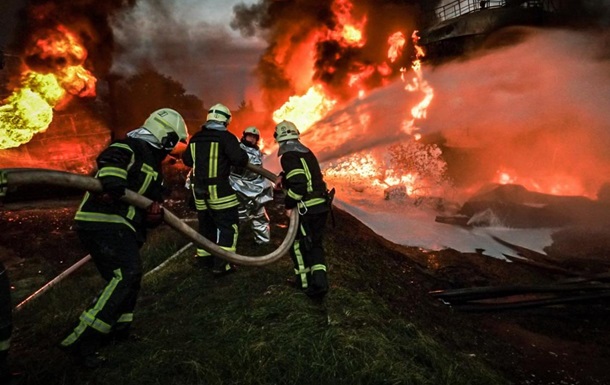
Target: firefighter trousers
[[255, 214], [307, 253], [220, 227], [116, 254]]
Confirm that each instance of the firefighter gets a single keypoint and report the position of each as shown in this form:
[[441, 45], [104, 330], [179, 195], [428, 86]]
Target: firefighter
[[211, 153], [306, 192], [6, 328], [113, 231], [252, 189]]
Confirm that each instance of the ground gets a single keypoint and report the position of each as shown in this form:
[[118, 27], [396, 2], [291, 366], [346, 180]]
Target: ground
[[562, 344]]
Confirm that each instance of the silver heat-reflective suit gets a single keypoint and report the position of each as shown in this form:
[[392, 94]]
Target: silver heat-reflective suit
[[253, 191]]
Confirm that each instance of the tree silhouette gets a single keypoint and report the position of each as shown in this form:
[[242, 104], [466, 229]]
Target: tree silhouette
[[134, 98]]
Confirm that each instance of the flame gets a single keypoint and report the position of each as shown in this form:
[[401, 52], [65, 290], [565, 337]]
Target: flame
[[305, 110], [418, 83], [349, 30], [397, 42], [29, 109], [366, 170], [553, 184]]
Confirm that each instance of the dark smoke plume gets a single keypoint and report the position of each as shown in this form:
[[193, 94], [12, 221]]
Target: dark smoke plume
[[288, 26], [89, 19]]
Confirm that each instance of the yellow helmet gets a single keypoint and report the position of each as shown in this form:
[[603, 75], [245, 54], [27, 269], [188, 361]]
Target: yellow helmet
[[219, 113], [286, 130], [168, 127], [252, 131]]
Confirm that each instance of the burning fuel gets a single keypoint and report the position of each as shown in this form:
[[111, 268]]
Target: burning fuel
[[58, 56]]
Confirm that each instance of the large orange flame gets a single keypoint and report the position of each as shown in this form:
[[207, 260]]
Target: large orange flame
[[29, 109]]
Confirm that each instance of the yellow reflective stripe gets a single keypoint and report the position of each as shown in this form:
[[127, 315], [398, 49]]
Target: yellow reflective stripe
[[302, 271], [76, 333], [318, 267], [294, 195], [5, 345], [296, 171], [235, 235], [312, 202], [223, 206], [85, 198], [213, 166], [131, 212], [151, 175], [89, 317], [99, 217], [213, 189], [193, 153], [200, 204], [125, 317], [112, 171], [97, 324], [300, 264], [202, 253], [308, 175], [122, 145], [224, 199]]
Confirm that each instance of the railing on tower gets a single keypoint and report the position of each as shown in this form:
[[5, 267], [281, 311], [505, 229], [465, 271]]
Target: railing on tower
[[462, 7]]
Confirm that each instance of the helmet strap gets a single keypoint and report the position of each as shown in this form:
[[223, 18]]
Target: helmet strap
[[170, 141]]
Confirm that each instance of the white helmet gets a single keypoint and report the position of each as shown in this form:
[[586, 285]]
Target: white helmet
[[168, 127], [219, 113], [252, 131], [285, 130]]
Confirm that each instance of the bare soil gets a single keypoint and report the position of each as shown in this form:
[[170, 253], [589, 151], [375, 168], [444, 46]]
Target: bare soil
[[561, 344]]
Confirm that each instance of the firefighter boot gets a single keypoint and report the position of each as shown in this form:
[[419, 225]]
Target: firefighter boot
[[222, 268], [84, 350], [318, 285]]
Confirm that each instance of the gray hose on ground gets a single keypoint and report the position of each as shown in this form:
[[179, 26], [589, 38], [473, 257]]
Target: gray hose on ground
[[17, 177]]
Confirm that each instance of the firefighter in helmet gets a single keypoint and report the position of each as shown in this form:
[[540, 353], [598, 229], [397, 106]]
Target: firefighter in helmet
[[252, 189], [211, 153], [113, 231], [306, 192]]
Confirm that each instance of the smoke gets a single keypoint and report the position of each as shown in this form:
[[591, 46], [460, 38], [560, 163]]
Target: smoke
[[88, 19], [181, 42], [535, 110], [300, 48]]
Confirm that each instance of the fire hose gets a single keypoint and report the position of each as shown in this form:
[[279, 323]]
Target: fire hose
[[18, 177]]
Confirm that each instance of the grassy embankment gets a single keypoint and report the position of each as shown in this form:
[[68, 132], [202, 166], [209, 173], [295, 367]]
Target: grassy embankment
[[252, 327]]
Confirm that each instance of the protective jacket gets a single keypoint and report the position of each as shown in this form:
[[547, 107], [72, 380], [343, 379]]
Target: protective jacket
[[249, 184], [128, 163], [303, 180], [211, 153], [253, 191]]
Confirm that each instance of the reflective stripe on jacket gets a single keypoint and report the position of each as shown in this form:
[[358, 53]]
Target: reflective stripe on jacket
[[211, 153], [130, 163], [305, 186]]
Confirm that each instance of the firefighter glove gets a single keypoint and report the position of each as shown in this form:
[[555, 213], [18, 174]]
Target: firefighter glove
[[154, 215]]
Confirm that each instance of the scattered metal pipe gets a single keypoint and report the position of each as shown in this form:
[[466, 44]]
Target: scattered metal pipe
[[54, 281]]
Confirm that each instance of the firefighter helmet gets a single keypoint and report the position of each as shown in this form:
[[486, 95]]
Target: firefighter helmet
[[220, 113], [168, 127], [252, 131], [285, 130]]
